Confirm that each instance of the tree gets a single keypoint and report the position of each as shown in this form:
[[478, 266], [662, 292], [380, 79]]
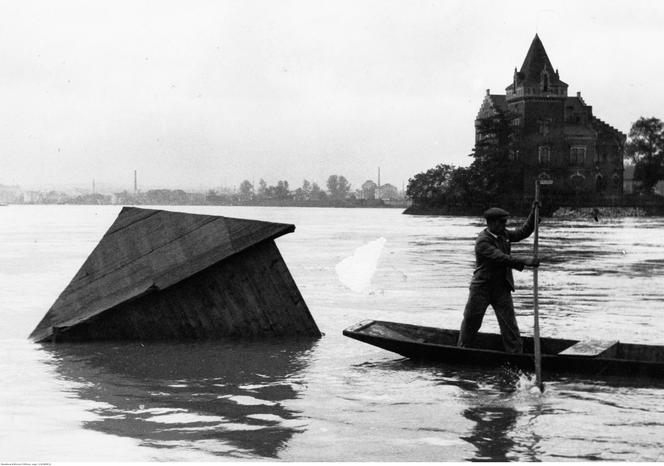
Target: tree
[[303, 193], [246, 190], [494, 174], [431, 187], [338, 186], [262, 189], [281, 190], [491, 178], [306, 188], [368, 190], [646, 148], [317, 194]]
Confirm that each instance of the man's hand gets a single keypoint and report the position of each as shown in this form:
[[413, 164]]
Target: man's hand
[[531, 261], [532, 211]]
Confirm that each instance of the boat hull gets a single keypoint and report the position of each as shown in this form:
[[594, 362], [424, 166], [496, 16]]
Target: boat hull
[[431, 344]]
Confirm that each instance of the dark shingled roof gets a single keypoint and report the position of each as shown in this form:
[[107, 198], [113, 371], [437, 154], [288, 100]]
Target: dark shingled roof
[[146, 250], [535, 62], [499, 101], [491, 105]]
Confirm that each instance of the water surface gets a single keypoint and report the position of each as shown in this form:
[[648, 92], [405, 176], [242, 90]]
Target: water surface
[[335, 399]]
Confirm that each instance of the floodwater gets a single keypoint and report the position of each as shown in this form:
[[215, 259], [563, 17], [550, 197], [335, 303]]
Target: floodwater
[[335, 399]]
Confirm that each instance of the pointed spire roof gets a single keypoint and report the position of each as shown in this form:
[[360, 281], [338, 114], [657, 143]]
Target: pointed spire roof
[[535, 63], [148, 250]]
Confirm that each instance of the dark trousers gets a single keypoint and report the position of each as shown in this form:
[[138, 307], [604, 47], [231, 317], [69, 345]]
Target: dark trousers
[[500, 298]]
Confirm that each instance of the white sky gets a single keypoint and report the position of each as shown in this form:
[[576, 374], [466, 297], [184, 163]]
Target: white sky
[[208, 93]]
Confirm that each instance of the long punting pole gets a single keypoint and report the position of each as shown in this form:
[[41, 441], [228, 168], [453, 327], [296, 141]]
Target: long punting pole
[[536, 332]]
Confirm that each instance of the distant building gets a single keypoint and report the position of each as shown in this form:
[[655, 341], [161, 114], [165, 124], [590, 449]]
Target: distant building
[[10, 195], [558, 137], [33, 197], [388, 192]]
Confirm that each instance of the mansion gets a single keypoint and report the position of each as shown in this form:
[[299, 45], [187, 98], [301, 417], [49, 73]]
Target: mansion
[[557, 136]]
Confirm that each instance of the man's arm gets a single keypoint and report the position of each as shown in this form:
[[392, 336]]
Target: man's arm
[[486, 249], [525, 230]]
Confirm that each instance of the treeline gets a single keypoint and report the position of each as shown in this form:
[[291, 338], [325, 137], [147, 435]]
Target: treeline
[[338, 193], [338, 188], [492, 178]]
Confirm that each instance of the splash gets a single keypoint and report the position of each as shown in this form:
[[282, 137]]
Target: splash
[[526, 383], [523, 383], [356, 271]]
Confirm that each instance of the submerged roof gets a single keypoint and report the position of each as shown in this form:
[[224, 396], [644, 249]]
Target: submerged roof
[[147, 250]]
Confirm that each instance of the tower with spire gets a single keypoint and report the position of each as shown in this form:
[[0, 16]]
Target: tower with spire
[[557, 136], [537, 76]]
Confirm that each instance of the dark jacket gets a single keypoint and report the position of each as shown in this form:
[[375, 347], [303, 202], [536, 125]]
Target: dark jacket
[[493, 263]]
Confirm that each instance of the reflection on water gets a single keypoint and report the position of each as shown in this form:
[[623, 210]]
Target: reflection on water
[[491, 434], [225, 399], [504, 402]]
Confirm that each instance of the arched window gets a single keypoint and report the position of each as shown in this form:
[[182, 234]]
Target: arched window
[[599, 183], [577, 180]]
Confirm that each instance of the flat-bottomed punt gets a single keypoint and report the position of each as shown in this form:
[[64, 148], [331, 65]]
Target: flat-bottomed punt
[[589, 357]]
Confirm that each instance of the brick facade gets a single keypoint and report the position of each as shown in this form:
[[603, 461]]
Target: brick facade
[[557, 136]]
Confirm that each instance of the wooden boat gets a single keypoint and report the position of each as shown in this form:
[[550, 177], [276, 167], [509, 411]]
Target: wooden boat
[[590, 357]]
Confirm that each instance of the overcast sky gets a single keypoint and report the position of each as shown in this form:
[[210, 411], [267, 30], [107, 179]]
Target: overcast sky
[[209, 93]]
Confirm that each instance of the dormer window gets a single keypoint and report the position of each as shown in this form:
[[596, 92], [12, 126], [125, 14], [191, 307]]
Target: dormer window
[[545, 81]]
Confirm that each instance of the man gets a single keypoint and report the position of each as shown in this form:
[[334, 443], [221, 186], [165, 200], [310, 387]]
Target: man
[[492, 281]]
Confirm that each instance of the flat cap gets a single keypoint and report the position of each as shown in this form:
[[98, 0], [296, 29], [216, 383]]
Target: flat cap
[[495, 212]]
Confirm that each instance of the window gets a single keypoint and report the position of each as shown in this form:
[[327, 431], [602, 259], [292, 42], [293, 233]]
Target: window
[[577, 155], [616, 180], [544, 155], [577, 180], [544, 126], [599, 183], [544, 83]]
